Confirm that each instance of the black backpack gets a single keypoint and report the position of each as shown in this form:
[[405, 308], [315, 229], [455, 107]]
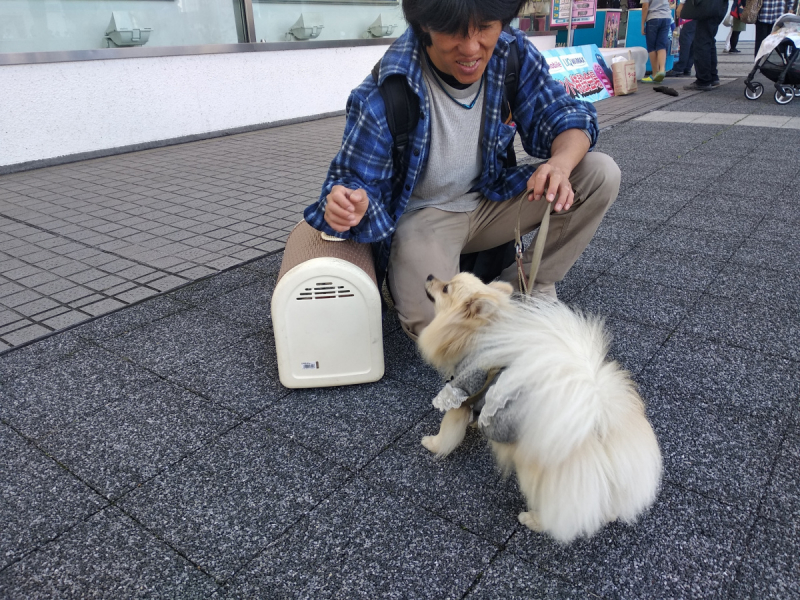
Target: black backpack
[[402, 116]]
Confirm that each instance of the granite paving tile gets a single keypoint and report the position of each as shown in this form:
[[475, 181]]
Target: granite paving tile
[[43, 352], [699, 217], [126, 443], [403, 363], [47, 399], [713, 201], [224, 504], [686, 546], [709, 375], [364, 543], [349, 425], [637, 300], [781, 501], [511, 578], [756, 189], [189, 337], [681, 270], [465, 488], [633, 345], [125, 562], [601, 254], [209, 289], [249, 305], [243, 378], [575, 281], [683, 240], [39, 499], [759, 326], [752, 285], [770, 249], [722, 454], [129, 319], [643, 205], [770, 565]]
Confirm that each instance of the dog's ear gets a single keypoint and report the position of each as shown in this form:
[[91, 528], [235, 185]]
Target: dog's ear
[[480, 307], [502, 286]]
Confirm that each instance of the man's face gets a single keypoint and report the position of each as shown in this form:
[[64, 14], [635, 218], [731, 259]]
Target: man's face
[[464, 57]]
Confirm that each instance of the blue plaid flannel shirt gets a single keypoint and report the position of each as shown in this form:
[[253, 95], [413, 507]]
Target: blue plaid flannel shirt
[[541, 112], [771, 10]]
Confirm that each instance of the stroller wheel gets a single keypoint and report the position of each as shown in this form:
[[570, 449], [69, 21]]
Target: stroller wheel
[[784, 94], [753, 91]]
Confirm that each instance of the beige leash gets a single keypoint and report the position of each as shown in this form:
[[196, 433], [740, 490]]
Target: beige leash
[[526, 283]]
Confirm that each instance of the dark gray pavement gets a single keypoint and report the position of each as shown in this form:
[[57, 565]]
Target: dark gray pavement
[[151, 452]]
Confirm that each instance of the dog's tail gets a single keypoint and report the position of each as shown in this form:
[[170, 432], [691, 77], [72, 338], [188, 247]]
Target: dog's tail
[[581, 420], [556, 372]]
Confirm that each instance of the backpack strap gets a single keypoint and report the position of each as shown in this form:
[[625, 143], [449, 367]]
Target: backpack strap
[[510, 86], [402, 110]]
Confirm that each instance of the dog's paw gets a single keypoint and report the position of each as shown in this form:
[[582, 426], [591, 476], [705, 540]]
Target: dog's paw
[[431, 442], [531, 521]]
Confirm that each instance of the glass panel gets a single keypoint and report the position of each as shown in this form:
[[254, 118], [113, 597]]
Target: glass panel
[[51, 25], [322, 20]]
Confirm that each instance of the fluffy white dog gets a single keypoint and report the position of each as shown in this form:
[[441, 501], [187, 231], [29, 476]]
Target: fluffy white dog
[[566, 419]]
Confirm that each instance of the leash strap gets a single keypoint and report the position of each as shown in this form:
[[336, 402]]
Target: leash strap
[[526, 283], [490, 376]]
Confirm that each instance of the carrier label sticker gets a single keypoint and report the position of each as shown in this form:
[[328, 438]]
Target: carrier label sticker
[[309, 365]]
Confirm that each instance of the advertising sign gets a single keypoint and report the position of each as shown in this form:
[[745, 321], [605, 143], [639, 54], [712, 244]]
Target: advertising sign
[[583, 13], [582, 71]]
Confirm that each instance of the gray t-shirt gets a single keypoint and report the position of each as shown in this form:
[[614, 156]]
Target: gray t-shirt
[[455, 162], [658, 9]]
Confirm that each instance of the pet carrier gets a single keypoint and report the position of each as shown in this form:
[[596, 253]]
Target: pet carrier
[[326, 312], [777, 60]]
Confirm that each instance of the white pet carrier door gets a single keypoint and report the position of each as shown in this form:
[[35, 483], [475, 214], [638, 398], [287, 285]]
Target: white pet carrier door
[[326, 313]]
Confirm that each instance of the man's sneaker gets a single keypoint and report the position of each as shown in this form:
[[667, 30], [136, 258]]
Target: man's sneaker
[[716, 83], [672, 73], [734, 51], [647, 79], [699, 87]]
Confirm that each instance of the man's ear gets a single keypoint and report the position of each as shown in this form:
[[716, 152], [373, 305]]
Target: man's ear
[[502, 286]]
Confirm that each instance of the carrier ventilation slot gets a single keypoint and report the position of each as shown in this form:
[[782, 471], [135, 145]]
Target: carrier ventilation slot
[[325, 290]]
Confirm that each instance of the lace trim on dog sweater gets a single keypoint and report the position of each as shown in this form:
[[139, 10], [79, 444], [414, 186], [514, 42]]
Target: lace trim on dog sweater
[[497, 415]]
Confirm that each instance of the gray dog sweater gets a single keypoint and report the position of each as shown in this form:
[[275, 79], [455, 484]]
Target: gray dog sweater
[[497, 415]]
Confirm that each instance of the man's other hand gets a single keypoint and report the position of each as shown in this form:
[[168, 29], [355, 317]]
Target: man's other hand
[[551, 182], [345, 208]]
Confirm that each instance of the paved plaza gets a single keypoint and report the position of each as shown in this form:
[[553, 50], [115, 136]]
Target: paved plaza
[[148, 449]]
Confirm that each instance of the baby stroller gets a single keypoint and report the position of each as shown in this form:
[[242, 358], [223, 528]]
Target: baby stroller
[[777, 59]]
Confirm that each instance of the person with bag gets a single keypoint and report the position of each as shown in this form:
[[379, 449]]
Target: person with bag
[[450, 192], [708, 15], [771, 11], [656, 21], [683, 66], [737, 27]]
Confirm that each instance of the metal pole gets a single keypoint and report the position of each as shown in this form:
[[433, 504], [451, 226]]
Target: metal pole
[[569, 26], [249, 21]]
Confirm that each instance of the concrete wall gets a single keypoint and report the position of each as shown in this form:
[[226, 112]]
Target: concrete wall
[[55, 110]]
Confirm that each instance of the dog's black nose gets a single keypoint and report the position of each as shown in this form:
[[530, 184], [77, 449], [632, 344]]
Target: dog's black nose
[[430, 277]]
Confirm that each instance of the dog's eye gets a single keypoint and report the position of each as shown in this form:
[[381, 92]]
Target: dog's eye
[[444, 290]]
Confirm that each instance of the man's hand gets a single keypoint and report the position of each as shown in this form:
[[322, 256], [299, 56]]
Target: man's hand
[[552, 181], [345, 208]]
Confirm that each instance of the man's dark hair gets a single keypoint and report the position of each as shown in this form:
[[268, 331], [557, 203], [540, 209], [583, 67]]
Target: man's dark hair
[[455, 17]]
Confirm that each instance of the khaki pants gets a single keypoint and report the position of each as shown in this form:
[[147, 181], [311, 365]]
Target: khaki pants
[[430, 241]]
